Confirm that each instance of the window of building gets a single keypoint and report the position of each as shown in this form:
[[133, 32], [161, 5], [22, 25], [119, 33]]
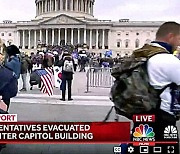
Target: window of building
[[10, 34], [2, 34], [119, 34], [127, 33], [137, 43], [137, 34], [119, 42], [127, 43]]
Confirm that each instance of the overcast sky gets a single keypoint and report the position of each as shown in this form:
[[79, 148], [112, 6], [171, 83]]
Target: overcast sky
[[136, 10]]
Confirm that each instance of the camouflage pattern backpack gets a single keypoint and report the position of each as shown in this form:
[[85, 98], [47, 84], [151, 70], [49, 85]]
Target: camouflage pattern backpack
[[131, 92]]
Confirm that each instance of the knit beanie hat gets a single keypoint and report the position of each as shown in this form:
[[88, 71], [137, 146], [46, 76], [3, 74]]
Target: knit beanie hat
[[12, 50]]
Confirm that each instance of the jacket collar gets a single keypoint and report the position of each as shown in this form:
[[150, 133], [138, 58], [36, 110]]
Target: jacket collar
[[165, 45]]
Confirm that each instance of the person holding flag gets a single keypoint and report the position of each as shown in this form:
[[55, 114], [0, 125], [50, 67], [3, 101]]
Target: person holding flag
[[46, 80], [46, 77]]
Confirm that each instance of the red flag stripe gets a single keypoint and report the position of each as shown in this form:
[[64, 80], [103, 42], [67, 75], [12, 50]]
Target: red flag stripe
[[47, 83]]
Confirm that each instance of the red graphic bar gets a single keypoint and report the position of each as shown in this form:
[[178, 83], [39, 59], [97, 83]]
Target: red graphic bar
[[68, 132]]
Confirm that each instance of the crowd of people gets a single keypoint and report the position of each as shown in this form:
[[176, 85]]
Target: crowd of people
[[56, 57], [52, 56]]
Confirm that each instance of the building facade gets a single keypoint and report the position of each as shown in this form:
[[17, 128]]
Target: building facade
[[73, 22]]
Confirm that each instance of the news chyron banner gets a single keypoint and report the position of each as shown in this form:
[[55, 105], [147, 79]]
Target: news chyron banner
[[12, 131]]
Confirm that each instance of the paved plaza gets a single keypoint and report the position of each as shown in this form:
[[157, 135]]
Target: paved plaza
[[86, 107]]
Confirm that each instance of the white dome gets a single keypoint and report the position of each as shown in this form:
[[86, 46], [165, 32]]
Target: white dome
[[75, 8]]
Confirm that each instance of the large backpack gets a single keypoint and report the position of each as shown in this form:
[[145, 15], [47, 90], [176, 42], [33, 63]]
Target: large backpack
[[34, 78], [68, 66], [131, 92]]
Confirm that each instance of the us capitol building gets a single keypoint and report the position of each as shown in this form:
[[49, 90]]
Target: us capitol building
[[73, 22]]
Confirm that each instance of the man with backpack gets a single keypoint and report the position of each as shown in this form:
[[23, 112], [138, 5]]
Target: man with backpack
[[67, 64], [148, 82]]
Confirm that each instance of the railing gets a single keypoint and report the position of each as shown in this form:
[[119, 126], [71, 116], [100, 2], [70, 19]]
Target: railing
[[99, 77]]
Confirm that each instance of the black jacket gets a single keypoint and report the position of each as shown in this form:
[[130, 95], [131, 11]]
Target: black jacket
[[66, 75]]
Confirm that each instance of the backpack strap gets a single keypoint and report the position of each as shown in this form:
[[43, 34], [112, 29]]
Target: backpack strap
[[161, 90], [147, 51], [109, 113]]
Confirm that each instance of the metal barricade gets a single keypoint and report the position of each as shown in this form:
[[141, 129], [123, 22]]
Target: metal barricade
[[99, 77]]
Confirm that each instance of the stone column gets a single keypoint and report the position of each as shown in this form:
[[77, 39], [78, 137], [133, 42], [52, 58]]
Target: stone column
[[47, 37], [43, 10], [52, 37], [29, 42], [109, 38], [88, 7], [85, 1], [66, 8], [97, 35], [82, 5], [61, 5], [23, 39], [92, 8], [72, 36], [42, 6], [78, 36], [77, 6], [45, 7], [85, 35], [65, 37], [103, 46], [45, 4], [72, 4], [50, 6], [18, 38], [59, 36], [40, 35], [35, 38], [56, 5], [36, 9], [90, 45], [39, 8]]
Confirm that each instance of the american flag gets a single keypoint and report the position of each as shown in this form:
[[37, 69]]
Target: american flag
[[46, 80]]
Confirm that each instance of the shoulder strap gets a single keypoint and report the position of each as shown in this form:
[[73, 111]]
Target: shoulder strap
[[147, 51], [161, 90]]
